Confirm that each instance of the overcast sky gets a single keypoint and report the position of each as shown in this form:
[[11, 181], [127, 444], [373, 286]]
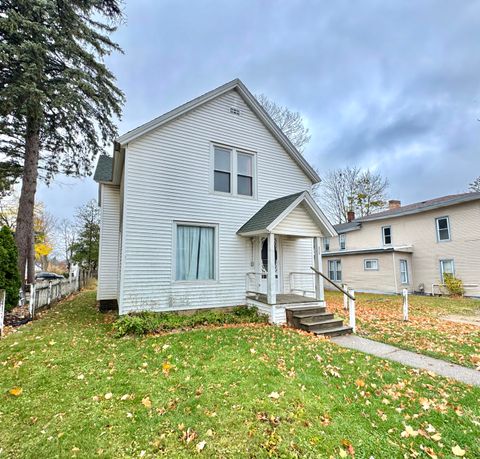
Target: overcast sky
[[393, 86]]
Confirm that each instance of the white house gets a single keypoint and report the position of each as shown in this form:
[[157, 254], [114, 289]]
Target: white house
[[209, 206]]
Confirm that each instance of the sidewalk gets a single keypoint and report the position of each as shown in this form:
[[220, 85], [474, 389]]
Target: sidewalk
[[385, 351]]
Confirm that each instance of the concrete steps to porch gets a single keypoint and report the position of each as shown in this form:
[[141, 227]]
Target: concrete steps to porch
[[316, 319]]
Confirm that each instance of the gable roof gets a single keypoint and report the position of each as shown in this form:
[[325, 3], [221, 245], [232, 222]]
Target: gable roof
[[422, 206], [346, 227], [276, 210], [253, 104], [104, 169]]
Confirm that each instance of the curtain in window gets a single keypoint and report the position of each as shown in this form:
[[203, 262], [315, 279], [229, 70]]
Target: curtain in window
[[195, 253]]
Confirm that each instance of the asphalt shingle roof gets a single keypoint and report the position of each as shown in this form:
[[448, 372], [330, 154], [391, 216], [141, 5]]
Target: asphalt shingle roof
[[268, 213], [104, 170]]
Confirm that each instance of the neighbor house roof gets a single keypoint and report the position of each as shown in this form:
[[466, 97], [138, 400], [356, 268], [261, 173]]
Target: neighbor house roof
[[249, 99], [402, 249], [104, 170], [422, 206], [345, 227], [274, 211]]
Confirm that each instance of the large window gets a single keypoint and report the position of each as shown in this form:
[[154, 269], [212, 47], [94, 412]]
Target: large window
[[403, 271], [370, 265], [443, 229], [195, 253], [233, 171], [446, 267], [387, 235], [342, 239], [335, 270], [244, 174]]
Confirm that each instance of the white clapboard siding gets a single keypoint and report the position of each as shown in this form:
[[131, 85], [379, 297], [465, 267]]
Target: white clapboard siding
[[109, 238], [298, 222], [168, 175]]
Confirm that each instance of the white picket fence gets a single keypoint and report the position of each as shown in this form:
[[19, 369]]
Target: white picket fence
[[2, 310]]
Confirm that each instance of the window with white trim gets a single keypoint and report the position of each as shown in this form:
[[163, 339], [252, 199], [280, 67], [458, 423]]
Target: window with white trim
[[443, 229], [326, 244], [335, 270], [370, 264], [195, 252], [404, 271], [233, 171], [446, 267], [387, 235], [342, 240]]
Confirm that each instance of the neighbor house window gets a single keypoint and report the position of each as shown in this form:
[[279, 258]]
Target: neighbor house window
[[403, 271], [326, 244], [335, 270], [222, 175], [370, 265], [195, 252], [342, 241], [387, 235], [244, 174], [443, 229], [446, 267]]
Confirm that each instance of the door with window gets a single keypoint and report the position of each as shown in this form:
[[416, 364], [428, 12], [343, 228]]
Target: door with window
[[264, 265]]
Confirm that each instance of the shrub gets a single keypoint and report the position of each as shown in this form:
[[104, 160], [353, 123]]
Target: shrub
[[150, 322], [9, 276], [453, 284]]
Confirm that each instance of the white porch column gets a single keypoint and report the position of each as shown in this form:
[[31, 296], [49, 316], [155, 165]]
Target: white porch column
[[271, 282], [317, 260]]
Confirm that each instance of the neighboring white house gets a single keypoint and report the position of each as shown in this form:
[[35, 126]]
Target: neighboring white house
[[409, 247], [204, 204]]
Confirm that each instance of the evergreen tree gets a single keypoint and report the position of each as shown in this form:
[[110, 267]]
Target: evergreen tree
[[57, 98], [9, 277]]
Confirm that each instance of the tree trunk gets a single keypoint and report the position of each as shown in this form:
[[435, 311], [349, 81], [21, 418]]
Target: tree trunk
[[24, 228], [31, 260]]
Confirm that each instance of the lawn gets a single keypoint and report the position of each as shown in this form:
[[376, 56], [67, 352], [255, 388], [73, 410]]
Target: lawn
[[380, 317], [69, 388]]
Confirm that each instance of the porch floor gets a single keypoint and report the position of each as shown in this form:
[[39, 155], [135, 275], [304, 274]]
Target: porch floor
[[283, 298]]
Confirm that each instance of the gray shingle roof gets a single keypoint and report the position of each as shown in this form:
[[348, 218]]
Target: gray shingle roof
[[422, 206], [104, 170], [345, 227], [268, 213]]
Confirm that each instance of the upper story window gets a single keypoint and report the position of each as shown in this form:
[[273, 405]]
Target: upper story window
[[326, 244], [443, 229], [233, 171], [387, 235], [342, 239]]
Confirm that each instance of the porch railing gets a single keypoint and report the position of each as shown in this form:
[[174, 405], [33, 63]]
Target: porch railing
[[252, 277], [294, 279]]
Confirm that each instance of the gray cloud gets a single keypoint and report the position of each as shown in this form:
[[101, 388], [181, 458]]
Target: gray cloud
[[390, 85]]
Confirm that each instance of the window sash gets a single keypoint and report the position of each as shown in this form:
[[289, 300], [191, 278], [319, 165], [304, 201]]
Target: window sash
[[335, 270], [195, 253], [447, 267], [403, 271], [387, 235], [443, 228], [222, 173], [326, 244], [370, 264], [342, 241]]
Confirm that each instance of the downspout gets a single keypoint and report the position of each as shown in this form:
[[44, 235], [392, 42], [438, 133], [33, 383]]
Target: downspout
[[394, 272]]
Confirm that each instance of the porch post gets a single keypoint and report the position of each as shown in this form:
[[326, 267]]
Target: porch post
[[271, 284], [317, 260]]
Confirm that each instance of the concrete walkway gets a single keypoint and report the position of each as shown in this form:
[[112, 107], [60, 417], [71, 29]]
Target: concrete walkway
[[412, 359]]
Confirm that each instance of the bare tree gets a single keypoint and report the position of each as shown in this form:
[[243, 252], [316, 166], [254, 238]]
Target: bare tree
[[291, 123], [351, 189], [67, 235], [475, 185]]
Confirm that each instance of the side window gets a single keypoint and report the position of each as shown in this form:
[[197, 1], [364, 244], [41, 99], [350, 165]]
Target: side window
[[443, 229], [387, 235], [342, 238], [245, 174], [370, 265], [222, 174], [446, 267], [404, 272], [335, 270]]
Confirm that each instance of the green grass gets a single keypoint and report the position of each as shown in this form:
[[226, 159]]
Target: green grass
[[213, 385], [380, 317]]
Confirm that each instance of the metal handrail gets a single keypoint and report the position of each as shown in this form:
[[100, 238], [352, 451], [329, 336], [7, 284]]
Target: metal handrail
[[349, 295]]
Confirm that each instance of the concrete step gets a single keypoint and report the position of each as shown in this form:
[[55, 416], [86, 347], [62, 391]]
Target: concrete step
[[315, 318], [337, 331], [324, 324]]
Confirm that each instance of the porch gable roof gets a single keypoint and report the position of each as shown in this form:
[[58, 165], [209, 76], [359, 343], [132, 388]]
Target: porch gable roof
[[276, 210]]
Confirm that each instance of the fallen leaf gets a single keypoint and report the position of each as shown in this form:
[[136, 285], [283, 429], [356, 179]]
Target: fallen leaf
[[274, 395], [360, 383], [16, 391], [108, 396], [146, 402], [457, 451], [201, 445]]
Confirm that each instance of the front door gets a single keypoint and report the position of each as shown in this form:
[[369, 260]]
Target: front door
[[264, 265]]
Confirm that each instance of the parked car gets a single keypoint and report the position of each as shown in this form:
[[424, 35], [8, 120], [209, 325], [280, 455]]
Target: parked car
[[48, 276]]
